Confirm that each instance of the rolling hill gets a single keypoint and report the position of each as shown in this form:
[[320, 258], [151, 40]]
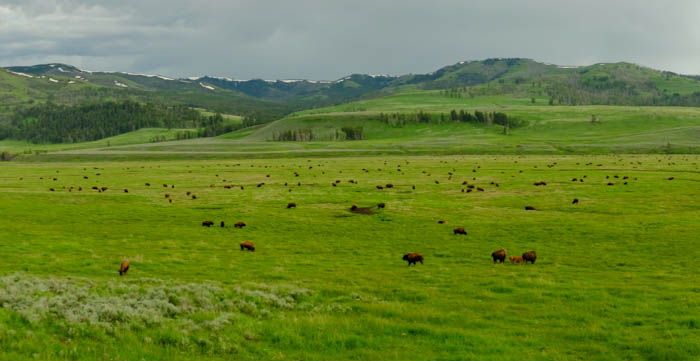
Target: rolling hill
[[639, 109]]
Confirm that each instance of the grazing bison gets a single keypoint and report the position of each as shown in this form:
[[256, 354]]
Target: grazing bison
[[442, 222], [247, 245], [529, 208], [412, 258], [381, 205], [148, 184], [126, 190], [380, 187], [540, 183], [223, 224], [530, 257], [499, 255], [104, 188], [515, 259], [51, 189], [194, 196], [670, 178], [353, 207], [459, 230], [124, 267], [291, 205], [389, 185], [165, 186], [575, 201], [207, 223], [480, 189], [239, 225]]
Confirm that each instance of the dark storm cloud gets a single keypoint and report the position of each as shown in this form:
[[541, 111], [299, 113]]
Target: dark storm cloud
[[329, 39]]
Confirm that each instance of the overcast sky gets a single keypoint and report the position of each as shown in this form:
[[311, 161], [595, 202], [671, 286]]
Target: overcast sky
[[327, 39]]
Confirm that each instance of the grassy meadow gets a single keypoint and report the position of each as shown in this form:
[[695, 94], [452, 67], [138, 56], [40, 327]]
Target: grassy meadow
[[616, 278]]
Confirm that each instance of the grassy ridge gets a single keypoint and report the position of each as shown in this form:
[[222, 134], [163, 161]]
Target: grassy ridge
[[615, 277]]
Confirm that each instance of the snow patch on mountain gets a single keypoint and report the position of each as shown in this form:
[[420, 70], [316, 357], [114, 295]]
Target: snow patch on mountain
[[121, 85], [20, 74], [53, 80], [206, 86]]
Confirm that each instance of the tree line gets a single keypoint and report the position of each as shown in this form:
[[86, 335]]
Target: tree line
[[52, 123], [461, 116]]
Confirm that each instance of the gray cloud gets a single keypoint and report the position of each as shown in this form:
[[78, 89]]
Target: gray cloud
[[328, 39]]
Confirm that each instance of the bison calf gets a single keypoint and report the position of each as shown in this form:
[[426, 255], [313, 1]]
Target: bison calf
[[516, 259], [412, 258]]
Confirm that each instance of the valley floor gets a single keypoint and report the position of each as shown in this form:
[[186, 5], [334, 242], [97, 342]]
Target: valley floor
[[616, 276]]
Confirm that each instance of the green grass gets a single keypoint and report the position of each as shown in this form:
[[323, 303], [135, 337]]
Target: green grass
[[616, 276]]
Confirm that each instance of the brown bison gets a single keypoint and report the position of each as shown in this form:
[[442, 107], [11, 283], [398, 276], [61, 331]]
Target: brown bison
[[124, 267], [207, 223], [381, 205], [442, 222], [104, 188], [529, 208], [223, 224], [529, 257], [389, 185], [353, 207], [291, 205], [126, 190], [380, 187], [540, 183], [499, 255], [515, 259], [148, 184], [480, 189], [247, 245], [412, 258], [239, 225], [575, 201], [459, 230]]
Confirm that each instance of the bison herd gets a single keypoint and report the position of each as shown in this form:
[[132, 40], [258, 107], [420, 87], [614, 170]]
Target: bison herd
[[412, 258]]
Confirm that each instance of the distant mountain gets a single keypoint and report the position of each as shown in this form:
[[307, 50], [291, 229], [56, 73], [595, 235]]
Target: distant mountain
[[622, 83]]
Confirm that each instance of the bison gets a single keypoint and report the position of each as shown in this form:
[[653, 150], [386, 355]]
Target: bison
[[442, 222], [529, 208], [124, 267], [381, 205], [239, 225], [459, 230], [207, 223], [291, 205], [223, 224], [515, 259], [412, 258], [529, 257], [575, 201], [247, 245], [499, 255], [380, 187], [540, 183]]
